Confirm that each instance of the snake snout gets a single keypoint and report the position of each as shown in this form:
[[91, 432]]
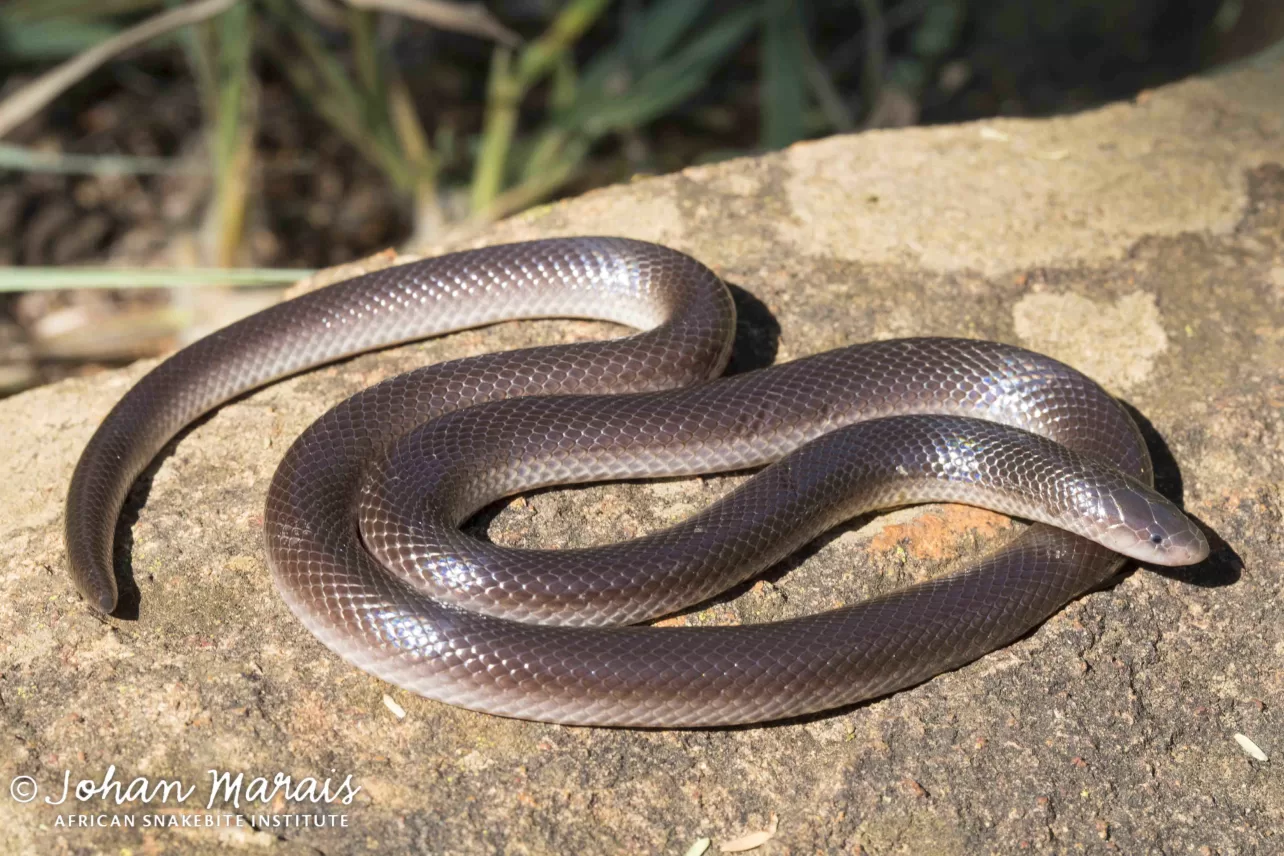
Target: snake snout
[[1152, 529]]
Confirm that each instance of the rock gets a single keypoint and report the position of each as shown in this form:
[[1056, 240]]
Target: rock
[[1143, 241]]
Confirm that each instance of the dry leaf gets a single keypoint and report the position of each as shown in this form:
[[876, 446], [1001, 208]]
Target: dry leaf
[[698, 847], [397, 710], [1251, 748], [750, 841]]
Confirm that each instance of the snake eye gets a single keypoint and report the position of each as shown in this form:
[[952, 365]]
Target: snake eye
[[1156, 539]]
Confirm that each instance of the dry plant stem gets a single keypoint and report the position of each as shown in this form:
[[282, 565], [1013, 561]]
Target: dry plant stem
[[875, 53], [530, 191], [503, 95], [391, 118], [233, 125], [225, 219], [509, 83], [470, 18], [371, 101], [324, 82], [327, 13], [31, 98], [429, 218]]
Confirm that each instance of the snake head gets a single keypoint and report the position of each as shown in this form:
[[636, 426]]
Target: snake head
[[1143, 525]]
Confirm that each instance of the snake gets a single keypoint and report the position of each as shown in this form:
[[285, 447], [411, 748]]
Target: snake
[[365, 517]]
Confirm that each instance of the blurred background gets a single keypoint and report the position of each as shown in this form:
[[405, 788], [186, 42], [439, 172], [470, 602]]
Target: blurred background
[[168, 166]]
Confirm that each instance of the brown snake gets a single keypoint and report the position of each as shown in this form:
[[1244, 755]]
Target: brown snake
[[363, 513]]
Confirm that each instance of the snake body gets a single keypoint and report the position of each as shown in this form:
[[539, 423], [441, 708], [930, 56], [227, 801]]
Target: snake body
[[363, 514]]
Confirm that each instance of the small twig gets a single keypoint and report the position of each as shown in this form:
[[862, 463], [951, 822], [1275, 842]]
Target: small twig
[[470, 18], [31, 98]]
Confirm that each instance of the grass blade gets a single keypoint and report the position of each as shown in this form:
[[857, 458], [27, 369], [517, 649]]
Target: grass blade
[[784, 84], [20, 159], [665, 25], [35, 95], [49, 278], [41, 41], [663, 86]]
